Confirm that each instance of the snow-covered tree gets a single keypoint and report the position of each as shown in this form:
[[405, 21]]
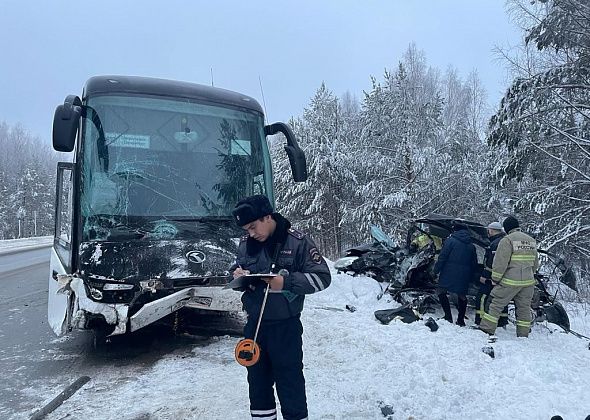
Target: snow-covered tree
[[27, 184], [414, 147], [400, 124], [543, 126], [317, 204]]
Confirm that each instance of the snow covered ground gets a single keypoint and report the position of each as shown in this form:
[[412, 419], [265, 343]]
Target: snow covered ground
[[354, 364]]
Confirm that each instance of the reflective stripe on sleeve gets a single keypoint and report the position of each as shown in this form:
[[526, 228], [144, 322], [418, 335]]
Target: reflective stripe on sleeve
[[318, 280], [310, 280]]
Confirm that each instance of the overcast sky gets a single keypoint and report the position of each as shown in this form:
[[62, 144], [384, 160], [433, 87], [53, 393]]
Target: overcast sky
[[50, 48]]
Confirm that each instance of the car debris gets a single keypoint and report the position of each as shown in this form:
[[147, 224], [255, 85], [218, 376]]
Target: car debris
[[405, 271]]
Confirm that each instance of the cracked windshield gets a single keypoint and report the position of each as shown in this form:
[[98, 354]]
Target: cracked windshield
[[147, 159]]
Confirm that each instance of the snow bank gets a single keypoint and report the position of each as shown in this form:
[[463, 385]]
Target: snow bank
[[9, 245]]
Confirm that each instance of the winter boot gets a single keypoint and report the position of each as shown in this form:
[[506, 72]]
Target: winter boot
[[444, 302], [503, 319], [462, 307]]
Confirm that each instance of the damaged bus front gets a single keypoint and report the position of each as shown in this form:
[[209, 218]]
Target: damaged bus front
[[143, 211]]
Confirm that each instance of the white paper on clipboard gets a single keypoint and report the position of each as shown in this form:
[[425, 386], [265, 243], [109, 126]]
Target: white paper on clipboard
[[244, 281]]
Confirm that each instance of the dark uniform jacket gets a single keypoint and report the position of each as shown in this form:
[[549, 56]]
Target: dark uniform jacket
[[489, 256], [295, 252], [457, 263]]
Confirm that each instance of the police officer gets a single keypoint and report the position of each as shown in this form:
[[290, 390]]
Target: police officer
[[271, 245], [495, 233], [513, 274]]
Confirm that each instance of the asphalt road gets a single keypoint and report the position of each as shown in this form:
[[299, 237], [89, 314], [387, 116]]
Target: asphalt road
[[36, 366]]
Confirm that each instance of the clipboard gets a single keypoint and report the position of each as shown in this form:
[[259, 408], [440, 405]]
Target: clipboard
[[244, 281]]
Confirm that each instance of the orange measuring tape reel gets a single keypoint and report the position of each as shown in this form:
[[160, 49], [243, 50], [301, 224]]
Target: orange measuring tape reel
[[247, 352]]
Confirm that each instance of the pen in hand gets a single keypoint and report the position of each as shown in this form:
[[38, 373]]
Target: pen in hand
[[238, 272]]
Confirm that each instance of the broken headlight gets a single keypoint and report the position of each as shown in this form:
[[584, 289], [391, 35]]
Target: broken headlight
[[343, 263]]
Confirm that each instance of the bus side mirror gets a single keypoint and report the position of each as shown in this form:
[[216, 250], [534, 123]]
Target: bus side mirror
[[294, 152], [65, 124]]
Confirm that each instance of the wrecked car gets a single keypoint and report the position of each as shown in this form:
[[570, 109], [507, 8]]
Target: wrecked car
[[406, 270]]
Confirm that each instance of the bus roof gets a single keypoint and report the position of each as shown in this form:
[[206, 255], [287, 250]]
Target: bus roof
[[100, 85]]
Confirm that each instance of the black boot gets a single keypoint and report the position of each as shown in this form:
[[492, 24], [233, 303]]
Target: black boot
[[444, 302], [462, 307], [503, 320]]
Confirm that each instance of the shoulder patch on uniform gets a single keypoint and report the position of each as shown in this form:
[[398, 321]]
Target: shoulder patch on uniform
[[315, 255], [296, 233], [244, 238]]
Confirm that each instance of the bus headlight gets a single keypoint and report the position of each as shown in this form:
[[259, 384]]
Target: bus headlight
[[117, 286]]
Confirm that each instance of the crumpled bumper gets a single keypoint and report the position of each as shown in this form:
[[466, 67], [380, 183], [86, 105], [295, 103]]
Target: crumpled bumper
[[82, 309]]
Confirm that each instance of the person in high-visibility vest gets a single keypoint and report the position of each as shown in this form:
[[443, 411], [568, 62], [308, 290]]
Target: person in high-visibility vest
[[513, 274], [482, 299], [423, 240]]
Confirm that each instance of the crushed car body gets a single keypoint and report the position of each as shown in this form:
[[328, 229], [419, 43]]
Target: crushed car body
[[406, 271]]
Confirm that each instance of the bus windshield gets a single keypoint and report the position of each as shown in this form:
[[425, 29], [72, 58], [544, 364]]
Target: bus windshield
[[163, 158]]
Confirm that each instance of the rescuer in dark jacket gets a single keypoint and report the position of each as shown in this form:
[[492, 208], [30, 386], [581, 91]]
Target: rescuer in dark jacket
[[271, 245], [456, 264], [495, 233]]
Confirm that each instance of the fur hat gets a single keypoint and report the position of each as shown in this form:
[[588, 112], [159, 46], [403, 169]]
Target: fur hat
[[495, 226], [510, 223], [251, 208]]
